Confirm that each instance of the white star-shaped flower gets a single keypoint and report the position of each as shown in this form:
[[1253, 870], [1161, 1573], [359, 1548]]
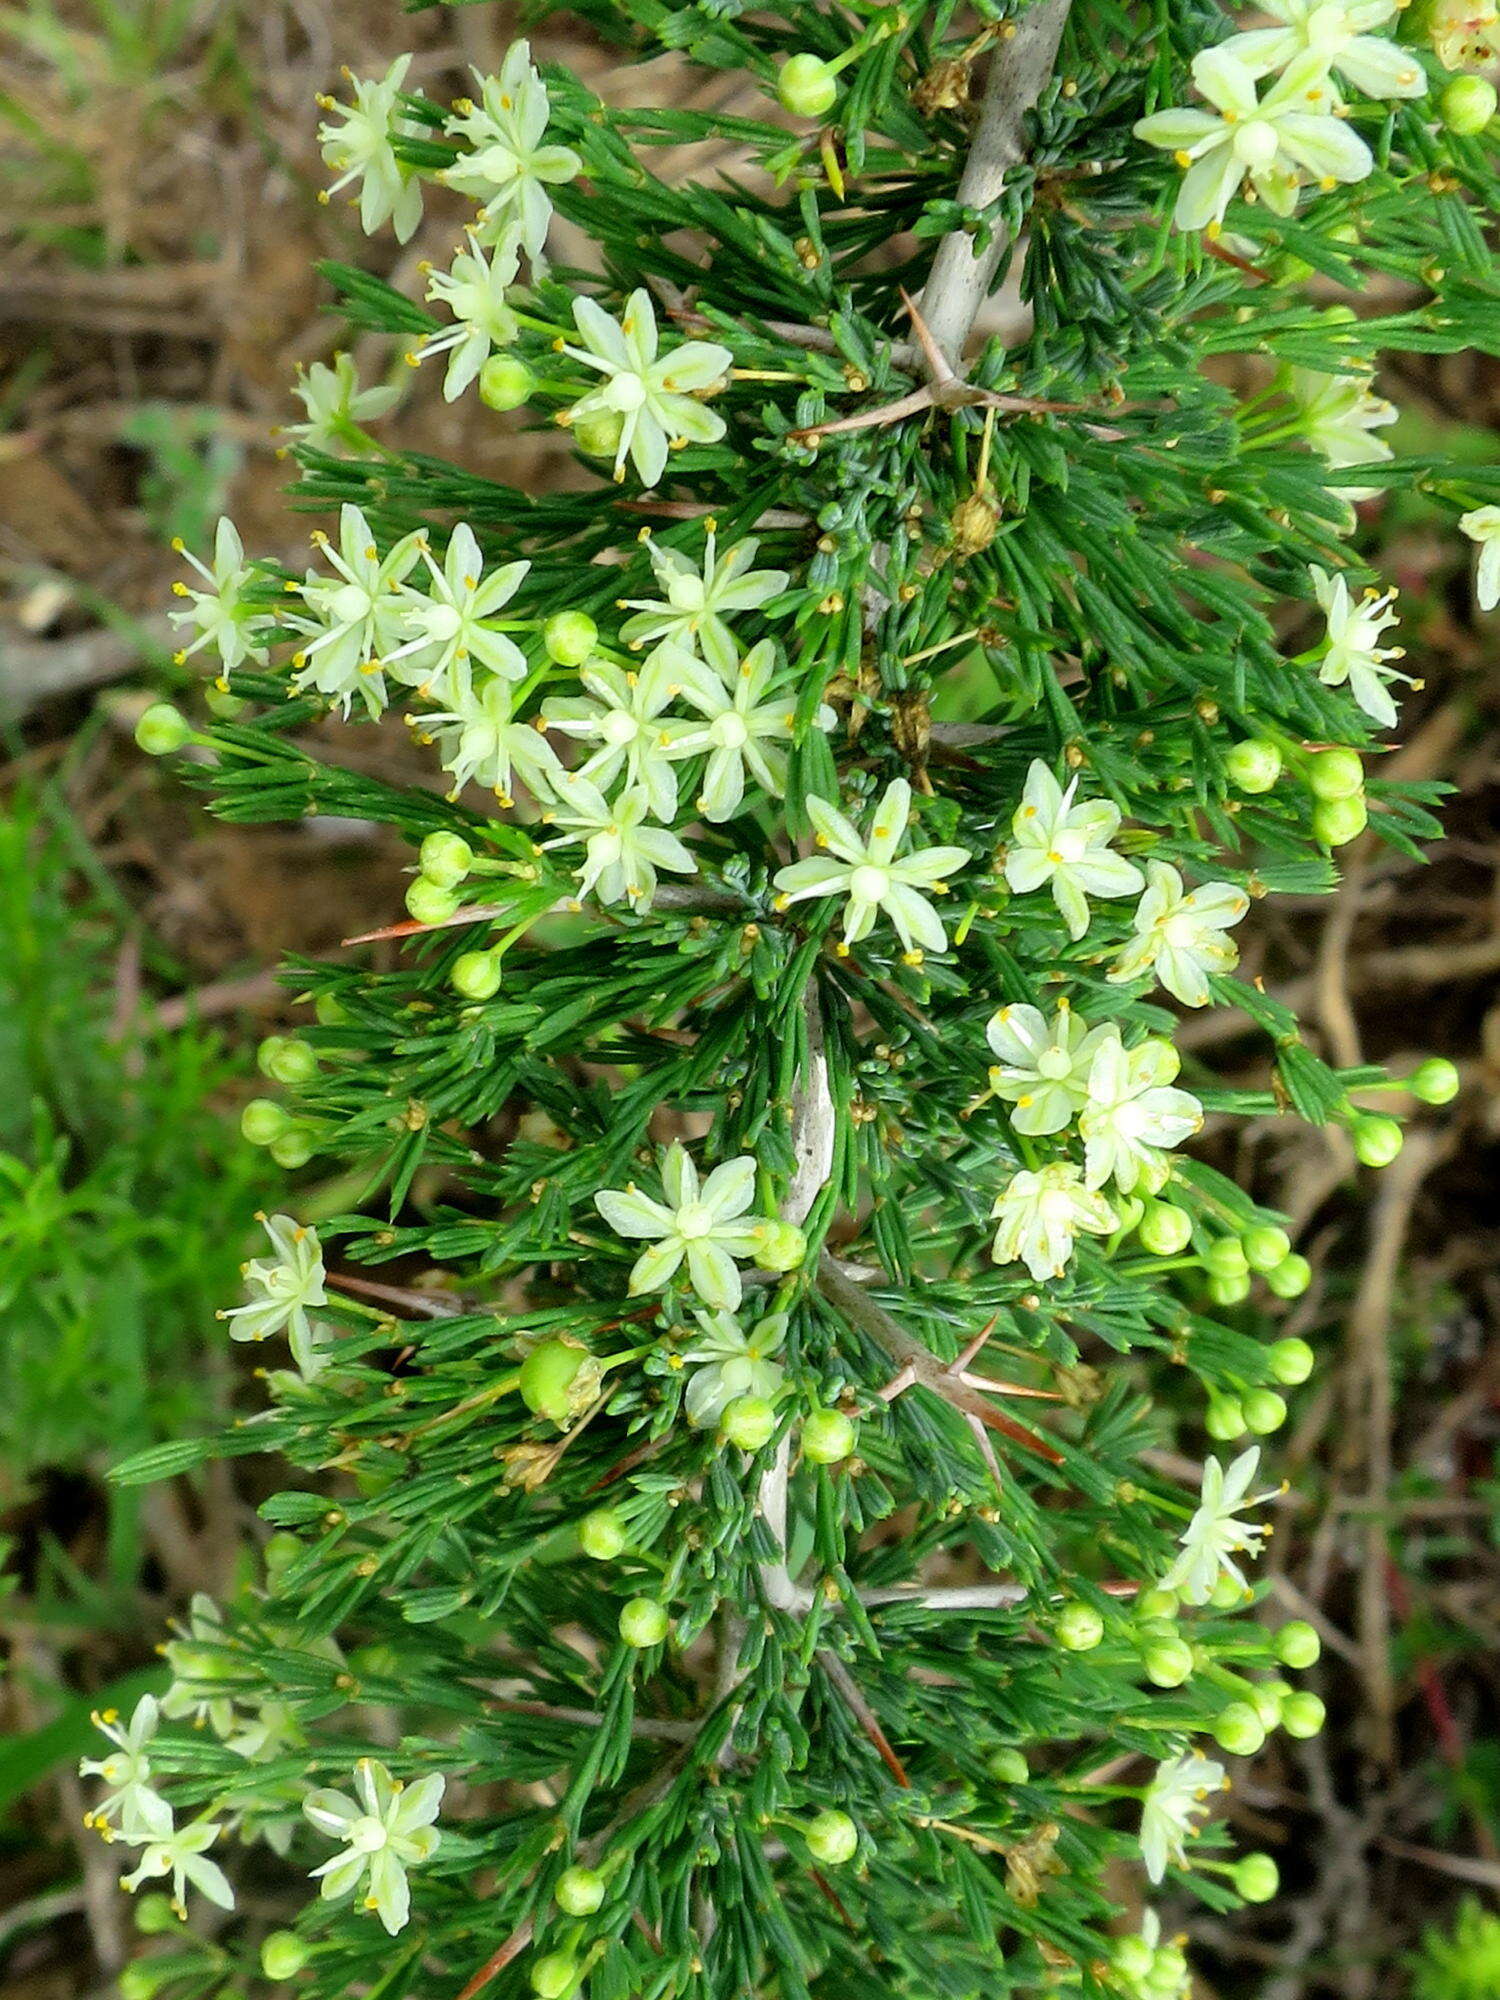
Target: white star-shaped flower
[[385, 1830], [655, 395], [622, 713], [698, 599], [126, 1770], [220, 615], [1353, 652], [474, 291], [337, 406], [360, 148], [869, 874], [1041, 1213], [282, 1286], [1214, 1536], [507, 166], [744, 726], [178, 1851], [621, 852], [479, 741], [442, 623], [1066, 846], [1182, 936], [1133, 1116], [1482, 526], [204, 1674], [354, 616], [728, 1362], [702, 1224], [1175, 1801], [1337, 33], [1338, 413], [1043, 1065]]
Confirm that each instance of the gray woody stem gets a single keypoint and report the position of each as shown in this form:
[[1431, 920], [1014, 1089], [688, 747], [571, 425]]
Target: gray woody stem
[[960, 281]]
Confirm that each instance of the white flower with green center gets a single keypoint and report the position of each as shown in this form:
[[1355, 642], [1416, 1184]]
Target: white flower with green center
[[1482, 526], [282, 1286], [1133, 1116], [1042, 1212], [1465, 34], [1337, 414], [220, 615], [1176, 1799], [1064, 846], [360, 149], [442, 623], [205, 1677], [1043, 1065], [1353, 652], [354, 616], [1275, 142], [1181, 935], [704, 1225], [336, 405], [745, 724], [697, 601], [727, 1362], [868, 873], [1337, 33], [480, 742], [474, 291], [655, 395], [1214, 1536], [126, 1770], [621, 852], [272, 1731], [621, 713], [384, 1831], [178, 1851], [508, 168]]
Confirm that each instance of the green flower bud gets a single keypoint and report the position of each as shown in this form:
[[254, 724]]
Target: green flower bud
[[287, 1059], [1266, 1700], [1336, 774], [1291, 1277], [1225, 1258], [827, 1437], [329, 1011], [1265, 1411], [806, 86], [1338, 821], [779, 1246], [154, 1915], [1266, 1246], [283, 1955], [1134, 1958], [1254, 765], [570, 637], [1238, 1729], [1229, 1291], [749, 1422], [1377, 1141], [429, 902], [294, 1146], [1302, 1714], [1297, 1644], [1079, 1627], [602, 1534], [476, 975], [140, 1979], [1168, 1662], [1256, 1878], [446, 858], [163, 730], [832, 1838], [1467, 105], [598, 434], [1435, 1081], [579, 1891], [1156, 1603], [505, 382], [1008, 1767], [263, 1120], [1224, 1419], [559, 1379], [1291, 1362], [1227, 1595], [554, 1976], [644, 1622], [1165, 1229], [279, 1554]]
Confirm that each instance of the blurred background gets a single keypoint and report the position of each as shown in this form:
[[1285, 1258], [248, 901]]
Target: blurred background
[[159, 234]]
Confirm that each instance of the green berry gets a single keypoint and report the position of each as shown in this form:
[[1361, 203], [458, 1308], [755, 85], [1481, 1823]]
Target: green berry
[[1254, 765], [749, 1422], [554, 1975], [1168, 1662], [505, 382], [559, 1379], [1165, 1229], [1157, 1603], [1266, 1246], [283, 1955], [294, 1146], [446, 858], [1435, 1081], [1336, 774], [1256, 1878], [1297, 1644], [1377, 1141], [1229, 1291], [163, 730], [644, 1622], [1291, 1362], [806, 86], [570, 637], [1224, 1419], [1338, 821], [779, 1246], [1291, 1277], [287, 1059], [579, 1891], [1302, 1714], [262, 1120], [1467, 105], [154, 1915], [1265, 1411], [1007, 1767], [429, 902], [602, 1534], [1239, 1730], [1079, 1627], [476, 975], [832, 1838], [1225, 1258], [827, 1437], [598, 435]]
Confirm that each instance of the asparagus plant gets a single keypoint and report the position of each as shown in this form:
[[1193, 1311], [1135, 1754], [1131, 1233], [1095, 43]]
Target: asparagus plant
[[743, 1530]]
